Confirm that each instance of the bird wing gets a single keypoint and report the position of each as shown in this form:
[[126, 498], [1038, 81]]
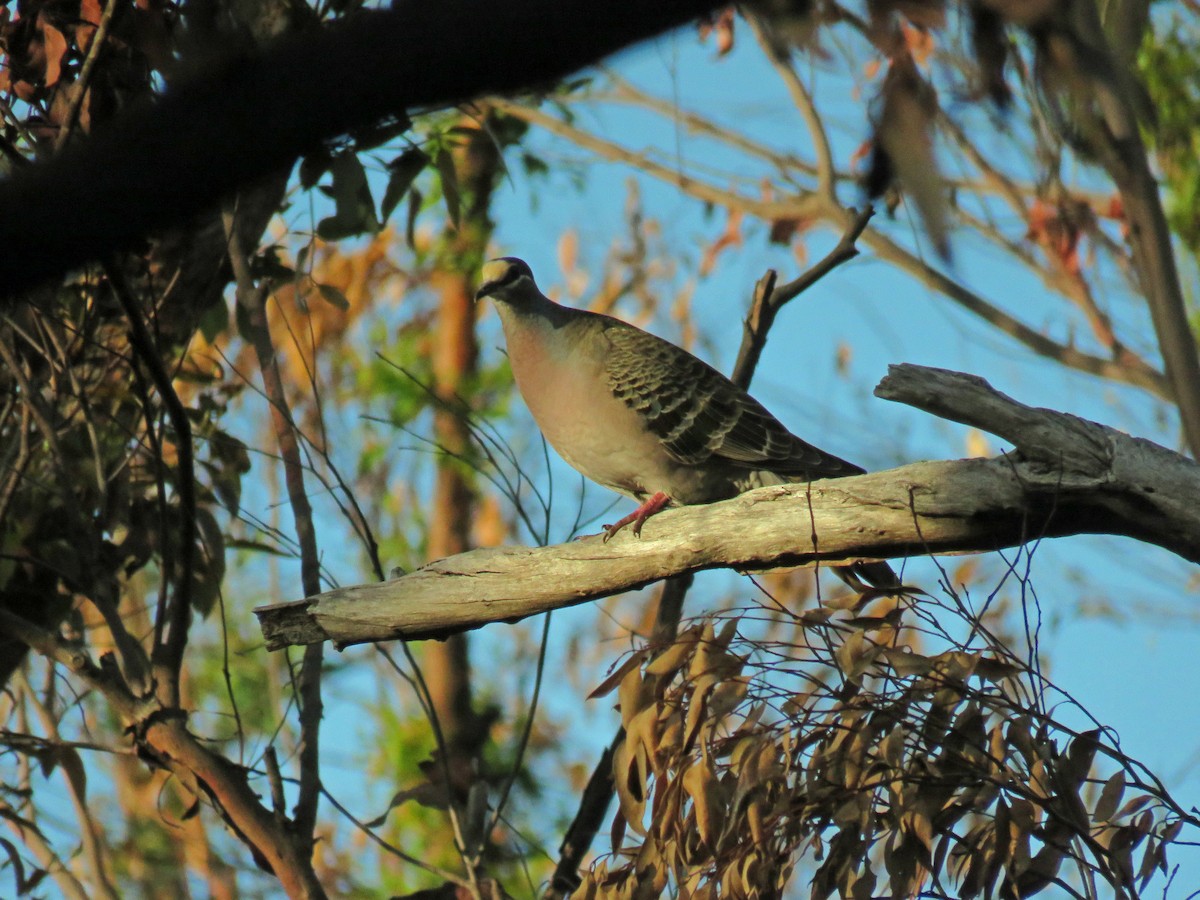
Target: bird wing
[[698, 414]]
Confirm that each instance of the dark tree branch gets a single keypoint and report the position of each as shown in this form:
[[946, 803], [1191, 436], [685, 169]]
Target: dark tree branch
[[250, 115], [80, 87], [171, 625], [1067, 476]]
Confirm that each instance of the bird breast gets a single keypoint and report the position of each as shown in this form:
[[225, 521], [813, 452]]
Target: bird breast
[[567, 393]]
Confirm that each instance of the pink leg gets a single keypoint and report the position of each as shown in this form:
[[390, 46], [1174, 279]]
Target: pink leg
[[638, 516]]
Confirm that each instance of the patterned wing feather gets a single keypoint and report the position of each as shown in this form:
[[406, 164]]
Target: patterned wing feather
[[698, 414]]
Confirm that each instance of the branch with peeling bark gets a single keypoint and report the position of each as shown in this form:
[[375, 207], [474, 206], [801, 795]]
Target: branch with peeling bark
[[1066, 476]]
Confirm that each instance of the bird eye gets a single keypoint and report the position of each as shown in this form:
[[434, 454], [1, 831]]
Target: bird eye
[[516, 268]]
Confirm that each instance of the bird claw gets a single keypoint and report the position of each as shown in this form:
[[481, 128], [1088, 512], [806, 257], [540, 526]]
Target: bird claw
[[611, 530], [638, 517]]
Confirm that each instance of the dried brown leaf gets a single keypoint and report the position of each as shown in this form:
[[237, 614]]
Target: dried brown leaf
[[674, 657], [630, 773], [1110, 797], [1141, 801], [905, 662], [568, 251], [904, 133], [705, 790], [618, 675], [56, 48], [633, 696], [643, 728], [85, 31], [996, 670], [697, 707]]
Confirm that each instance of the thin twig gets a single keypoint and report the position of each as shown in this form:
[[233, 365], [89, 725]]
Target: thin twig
[[798, 206], [167, 654], [770, 298], [275, 781], [625, 92], [1143, 376], [89, 831], [251, 299], [523, 744], [445, 875], [33, 838], [782, 63], [41, 416], [76, 660], [99, 39]]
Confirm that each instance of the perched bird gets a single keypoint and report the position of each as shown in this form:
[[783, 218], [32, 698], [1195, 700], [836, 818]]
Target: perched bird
[[643, 417]]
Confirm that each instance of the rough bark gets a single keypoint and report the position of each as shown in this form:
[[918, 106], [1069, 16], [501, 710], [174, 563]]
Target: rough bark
[[1066, 476]]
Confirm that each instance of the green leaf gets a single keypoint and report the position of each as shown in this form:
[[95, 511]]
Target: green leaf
[[313, 166], [403, 170], [534, 165], [214, 321], [267, 264], [209, 570], [380, 132], [333, 296], [355, 208], [257, 547], [449, 178], [410, 224]]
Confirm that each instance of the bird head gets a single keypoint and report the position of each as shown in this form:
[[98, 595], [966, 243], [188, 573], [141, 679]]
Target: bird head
[[505, 279]]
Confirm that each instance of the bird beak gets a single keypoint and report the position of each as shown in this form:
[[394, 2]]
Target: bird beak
[[484, 290]]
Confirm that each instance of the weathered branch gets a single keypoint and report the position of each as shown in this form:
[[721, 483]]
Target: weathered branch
[[1067, 476]]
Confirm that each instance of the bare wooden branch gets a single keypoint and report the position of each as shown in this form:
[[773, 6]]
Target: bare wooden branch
[[1127, 371], [780, 57], [82, 83], [769, 298], [801, 205], [1067, 476]]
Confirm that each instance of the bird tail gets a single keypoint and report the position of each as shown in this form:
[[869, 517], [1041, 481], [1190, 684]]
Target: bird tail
[[877, 576]]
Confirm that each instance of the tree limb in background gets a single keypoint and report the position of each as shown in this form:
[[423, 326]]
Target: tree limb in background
[[805, 206], [174, 614], [252, 300], [1067, 476], [252, 114], [1092, 98]]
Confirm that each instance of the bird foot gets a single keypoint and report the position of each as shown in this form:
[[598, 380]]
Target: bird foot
[[638, 517]]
